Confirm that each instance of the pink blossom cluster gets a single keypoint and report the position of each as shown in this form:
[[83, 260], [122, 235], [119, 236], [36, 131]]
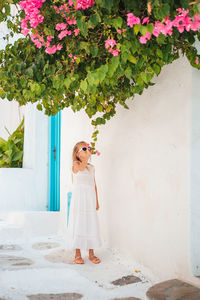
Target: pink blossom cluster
[[73, 58], [97, 152], [120, 31], [32, 14], [84, 4], [182, 22], [110, 43], [80, 4]]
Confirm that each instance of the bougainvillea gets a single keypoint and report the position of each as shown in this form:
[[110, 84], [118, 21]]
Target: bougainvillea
[[92, 55]]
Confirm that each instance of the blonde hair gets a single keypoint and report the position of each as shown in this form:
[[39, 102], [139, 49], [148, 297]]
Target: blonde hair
[[75, 150]]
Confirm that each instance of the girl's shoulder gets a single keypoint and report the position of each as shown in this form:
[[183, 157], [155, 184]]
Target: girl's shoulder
[[91, 165]]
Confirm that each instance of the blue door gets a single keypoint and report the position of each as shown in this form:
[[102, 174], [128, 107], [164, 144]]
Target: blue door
[[54, 131]]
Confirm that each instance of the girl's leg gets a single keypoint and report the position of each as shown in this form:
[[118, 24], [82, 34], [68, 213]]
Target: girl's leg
[[78, 259], [93, 258]]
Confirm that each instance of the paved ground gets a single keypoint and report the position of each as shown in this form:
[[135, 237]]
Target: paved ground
[[40, 268]]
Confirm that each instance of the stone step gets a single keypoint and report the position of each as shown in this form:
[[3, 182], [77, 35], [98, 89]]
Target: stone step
[[173, 289]]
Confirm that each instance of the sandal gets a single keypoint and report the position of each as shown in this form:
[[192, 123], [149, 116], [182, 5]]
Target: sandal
[[94, 259], [78, 260]]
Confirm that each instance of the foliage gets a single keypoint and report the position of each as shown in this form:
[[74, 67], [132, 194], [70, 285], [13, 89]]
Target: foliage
[[91, 57], [11, 151]]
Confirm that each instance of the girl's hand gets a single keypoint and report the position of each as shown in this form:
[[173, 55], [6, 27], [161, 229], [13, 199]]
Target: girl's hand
[[97, 207]]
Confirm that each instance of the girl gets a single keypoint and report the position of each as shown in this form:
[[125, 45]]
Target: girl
[[83, 226]]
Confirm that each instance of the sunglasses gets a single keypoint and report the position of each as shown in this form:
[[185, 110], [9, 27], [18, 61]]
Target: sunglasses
[[84, 149]]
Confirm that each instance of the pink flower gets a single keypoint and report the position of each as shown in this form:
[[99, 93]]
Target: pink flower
[[56, 9], [47, 44], [73, 60], [70, 3], [76, 31], [71, 21], [38, 44], [148, 35], [158, 26], [97, 152], [197, 61], [119, 31], [115, 52], [32, 12], [70, 55], [145, 20], [41, 39], [110, 43], [63, 33], [51, 50], [83, 4], [182, 12], [75, 57], [59, 47], [132, 20], [24, 24], [63, 7], [143, 40], [25, 31], [61, 26], [33, 36], [49, 38]]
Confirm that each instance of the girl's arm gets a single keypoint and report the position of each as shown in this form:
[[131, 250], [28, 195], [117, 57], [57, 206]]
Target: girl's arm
[[97, 205]]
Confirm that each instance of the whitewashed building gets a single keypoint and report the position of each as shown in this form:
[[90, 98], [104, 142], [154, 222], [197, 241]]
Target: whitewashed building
[[147, 175]]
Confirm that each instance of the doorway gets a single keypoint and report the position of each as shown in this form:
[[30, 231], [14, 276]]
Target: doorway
[[54, 133]]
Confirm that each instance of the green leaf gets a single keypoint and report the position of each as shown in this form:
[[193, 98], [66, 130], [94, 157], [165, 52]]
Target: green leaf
[[95, 19], [136, 28], [143, 30], [165, 9], [161, 38], [150, 28], [112, 66], [17, 156], [102, 72], [90, 78], [132, 59], [82, 26], [94, 50], [67, 82], [85, 46], [2, 94], [156, 68], [125, 53], [83, 85], [39, 106], [128, 72], [159, 53], [117, 22]]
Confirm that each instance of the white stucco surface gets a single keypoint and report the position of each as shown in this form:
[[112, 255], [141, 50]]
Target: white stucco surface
[[143, 173], [25, 189], [147, 176], [53, 271]]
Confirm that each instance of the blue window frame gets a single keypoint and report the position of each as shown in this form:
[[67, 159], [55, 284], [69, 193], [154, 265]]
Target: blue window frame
[[54, 133]]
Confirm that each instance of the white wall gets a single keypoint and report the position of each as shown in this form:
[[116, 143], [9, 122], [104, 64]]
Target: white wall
[[25, 189], [143, 174], [11, 115]]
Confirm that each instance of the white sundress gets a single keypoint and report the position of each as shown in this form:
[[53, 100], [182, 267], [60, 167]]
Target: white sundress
[[83, 226]]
